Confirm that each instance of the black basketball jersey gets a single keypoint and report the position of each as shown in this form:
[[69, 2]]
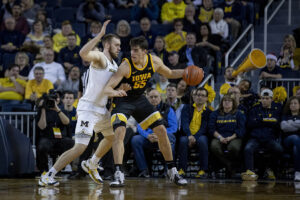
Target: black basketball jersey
[[138, 78]]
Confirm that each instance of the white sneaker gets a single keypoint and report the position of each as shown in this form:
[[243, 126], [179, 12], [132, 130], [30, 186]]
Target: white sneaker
[[175, 177], [91, 169], [46, 180], [118, 179], [297, 176]]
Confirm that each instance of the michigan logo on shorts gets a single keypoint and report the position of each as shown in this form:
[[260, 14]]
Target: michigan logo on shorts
[[84, 123]]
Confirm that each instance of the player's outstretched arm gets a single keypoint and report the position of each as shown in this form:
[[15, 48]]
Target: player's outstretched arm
[[86, 52], [109, 90], [162, 69]]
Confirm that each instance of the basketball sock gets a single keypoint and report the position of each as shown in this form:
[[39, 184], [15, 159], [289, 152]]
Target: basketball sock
[[95, 160], [170, 164], [118, 167], [52, 172]]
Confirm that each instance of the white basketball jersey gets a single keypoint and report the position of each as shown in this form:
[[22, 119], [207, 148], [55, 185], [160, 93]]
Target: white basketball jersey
[[93, 98]]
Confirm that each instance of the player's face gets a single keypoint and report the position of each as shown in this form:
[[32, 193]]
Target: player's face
[[115, 47], [137, 54]]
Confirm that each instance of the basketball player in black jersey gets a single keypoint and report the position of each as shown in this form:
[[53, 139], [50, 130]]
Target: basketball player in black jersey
[[136, 72]]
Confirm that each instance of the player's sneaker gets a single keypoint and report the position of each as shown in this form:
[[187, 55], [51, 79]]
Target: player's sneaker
[[249, 176], [118, 179], [91, 169], [46, 180], [175, 177]]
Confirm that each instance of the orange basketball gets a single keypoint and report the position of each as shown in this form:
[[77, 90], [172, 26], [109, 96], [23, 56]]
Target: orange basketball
[[193, 75]]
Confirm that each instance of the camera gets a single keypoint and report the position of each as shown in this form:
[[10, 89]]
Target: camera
[[49, 99]]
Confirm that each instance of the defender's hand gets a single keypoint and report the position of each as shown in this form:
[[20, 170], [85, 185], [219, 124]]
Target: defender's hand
[[125, 87]]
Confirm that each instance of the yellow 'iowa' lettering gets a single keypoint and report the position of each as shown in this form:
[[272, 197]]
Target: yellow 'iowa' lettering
[[141, 77]]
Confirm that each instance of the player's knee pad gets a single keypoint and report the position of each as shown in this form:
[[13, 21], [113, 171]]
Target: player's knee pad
[[117, 120]]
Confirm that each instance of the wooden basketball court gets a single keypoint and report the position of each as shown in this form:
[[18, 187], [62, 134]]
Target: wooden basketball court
[[153, 189]]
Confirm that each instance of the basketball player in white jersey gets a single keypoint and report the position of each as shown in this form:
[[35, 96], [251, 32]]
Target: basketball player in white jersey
[[91, 110]]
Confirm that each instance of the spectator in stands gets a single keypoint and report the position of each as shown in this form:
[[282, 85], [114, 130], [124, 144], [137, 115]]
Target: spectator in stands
[[72, 83], [190, 54], [286, 60], [54, 71], [212, 43], [271, 71], [161, 86], [11, 87], [123, 30], [147, 138], [35, 39], [53, 135], [30, 10], [6, 9], [90, 10], [229, 80], [173, 60], [206, 11], [290, 124], [21, 22], [194, 124], [171, 96], [95, 28], [218, 25], [10, 39], [47, 23], [248, 97], [176, 39], [290, 42], [147, 32], [159, 49], [190, 22], [249, 10], [227, 126], [69, 110], [233, 16], [235, 93], [38, 86], [22, 60], [172, 10], [69, 55], [60, 39], [263, 124], [126, 3], [145, 8], [296, 91]]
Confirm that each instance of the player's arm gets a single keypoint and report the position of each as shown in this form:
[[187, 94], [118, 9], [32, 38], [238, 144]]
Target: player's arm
[[162, 69], [86, 52], [123, 71]]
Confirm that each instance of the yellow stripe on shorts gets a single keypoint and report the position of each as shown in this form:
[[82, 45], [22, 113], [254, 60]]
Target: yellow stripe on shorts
[[120, 116], [150, 120]]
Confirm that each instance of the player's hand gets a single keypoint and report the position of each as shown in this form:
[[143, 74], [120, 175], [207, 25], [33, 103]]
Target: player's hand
[[119, 93], [103, 29], [125, 87]]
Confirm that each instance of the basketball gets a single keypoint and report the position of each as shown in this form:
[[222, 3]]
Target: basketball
[[193, 75]]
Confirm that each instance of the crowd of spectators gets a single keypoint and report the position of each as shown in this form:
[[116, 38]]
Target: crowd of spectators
[[42, 71]]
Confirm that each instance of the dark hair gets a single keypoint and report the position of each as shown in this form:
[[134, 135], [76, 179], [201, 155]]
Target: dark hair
[[68, 92], [286, 109], [172, 85], [234, 104], [139, 41], [11, 66], [192, 33], [227, 68], [108, 38], [39, 68], [208, 27], [246, 80], [177, 20], [37, 21]]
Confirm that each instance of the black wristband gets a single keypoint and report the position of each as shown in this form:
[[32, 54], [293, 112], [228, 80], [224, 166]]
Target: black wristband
[[59, 112]]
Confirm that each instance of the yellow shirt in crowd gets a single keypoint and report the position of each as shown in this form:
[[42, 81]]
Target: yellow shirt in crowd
[[61, 41], [11, 95], [171, 11], [195, 124], [32, 87], [174, 41]]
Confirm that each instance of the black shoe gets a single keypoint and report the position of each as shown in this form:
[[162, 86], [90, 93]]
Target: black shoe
[[144, 174]]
